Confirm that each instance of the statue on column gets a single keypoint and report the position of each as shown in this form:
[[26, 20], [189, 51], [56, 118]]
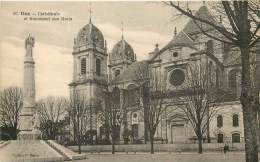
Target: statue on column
[[29, 43], [28, 119]]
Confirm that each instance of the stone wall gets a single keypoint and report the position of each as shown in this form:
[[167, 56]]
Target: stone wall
[[159, 148]]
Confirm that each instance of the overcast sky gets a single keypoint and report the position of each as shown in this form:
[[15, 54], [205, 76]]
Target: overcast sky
[[145, 24]]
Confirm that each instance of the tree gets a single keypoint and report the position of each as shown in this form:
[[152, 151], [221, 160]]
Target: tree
[[11, 102], [241, 32], [152, 97], [79, 115], [199, 105], [154, 106], [51, 110], [255, 70], [113, 114]]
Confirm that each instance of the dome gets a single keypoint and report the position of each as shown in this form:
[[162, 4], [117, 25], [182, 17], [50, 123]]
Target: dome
[[90, 34], [122, 51]]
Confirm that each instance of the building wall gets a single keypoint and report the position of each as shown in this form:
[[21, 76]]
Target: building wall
[[227, 110]]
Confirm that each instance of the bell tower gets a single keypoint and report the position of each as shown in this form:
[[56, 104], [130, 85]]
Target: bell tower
[[89, 67]]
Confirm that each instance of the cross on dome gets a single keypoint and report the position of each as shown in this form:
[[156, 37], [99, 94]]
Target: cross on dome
[[90, 12], [122, 29]]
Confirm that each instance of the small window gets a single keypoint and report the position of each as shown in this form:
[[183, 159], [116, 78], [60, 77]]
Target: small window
[[217, 77], [226, 48], [235, 120], [210, 72], [210, 46], [83, 65], [117, 72], [98, 67], [219, 121], [220, 138], [175, 54], [235, 138]]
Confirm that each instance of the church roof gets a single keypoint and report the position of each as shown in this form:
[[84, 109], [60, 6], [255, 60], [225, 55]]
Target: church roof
[[136, 71], [90, 34], [122, 50], [182, 39], [203, 13], [185, 37]]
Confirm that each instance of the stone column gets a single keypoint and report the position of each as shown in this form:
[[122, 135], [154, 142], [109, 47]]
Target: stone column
[[27, 120]]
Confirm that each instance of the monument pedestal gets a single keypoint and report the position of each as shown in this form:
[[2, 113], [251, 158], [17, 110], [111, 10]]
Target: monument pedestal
[[29, 135]]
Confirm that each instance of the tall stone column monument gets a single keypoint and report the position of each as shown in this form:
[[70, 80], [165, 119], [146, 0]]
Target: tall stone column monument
[[28, 121]]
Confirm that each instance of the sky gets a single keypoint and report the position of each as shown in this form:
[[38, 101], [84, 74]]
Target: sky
[[144, 25]]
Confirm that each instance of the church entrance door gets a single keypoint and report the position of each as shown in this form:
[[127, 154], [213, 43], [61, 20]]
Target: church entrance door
[[177, 133]]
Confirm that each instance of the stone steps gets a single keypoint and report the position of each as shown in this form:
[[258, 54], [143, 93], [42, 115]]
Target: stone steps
[[4, 143], [69, 154], [55, 148]]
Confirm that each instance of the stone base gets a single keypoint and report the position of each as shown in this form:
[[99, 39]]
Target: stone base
[[37, 151], [29, 151], [29, 135]]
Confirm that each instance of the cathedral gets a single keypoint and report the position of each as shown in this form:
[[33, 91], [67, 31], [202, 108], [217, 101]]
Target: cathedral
[[95, 70]]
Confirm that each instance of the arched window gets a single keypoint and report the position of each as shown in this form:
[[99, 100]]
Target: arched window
[[132, 95], [135, 131], [217, 77], [117, 133], [219, 121], [210, 46], [98, 67], [232, 80], [83, 66], [235, 120], [116, 96], [210, 73], [235, 138], [220, 138]]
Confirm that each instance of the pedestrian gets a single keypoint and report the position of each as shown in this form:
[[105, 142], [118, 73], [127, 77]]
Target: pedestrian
[[226, 148]]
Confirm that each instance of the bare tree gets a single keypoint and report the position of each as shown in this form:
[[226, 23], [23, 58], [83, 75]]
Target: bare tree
[[154, 107], [51, 110], [11, 102], [78, 113], [241, 31], [200, 104], [152, 96], [114, 114]]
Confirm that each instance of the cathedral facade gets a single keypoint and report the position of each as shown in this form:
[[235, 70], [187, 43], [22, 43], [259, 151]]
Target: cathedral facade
[[96, 70]]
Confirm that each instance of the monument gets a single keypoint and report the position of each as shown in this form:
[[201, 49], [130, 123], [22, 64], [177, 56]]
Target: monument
[[29, 146], [27, 120]]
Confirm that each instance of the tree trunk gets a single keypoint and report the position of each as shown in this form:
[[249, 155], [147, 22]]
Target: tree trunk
[[200, 143], [249, 108], [259, 126], [151, 142], [113, 145], [250, 130], [208, 129], [79, 147]]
